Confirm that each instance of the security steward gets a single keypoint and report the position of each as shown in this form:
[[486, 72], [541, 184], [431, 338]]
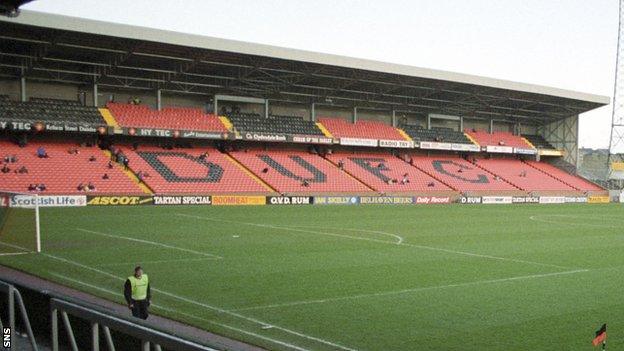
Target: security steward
[[137, 293]]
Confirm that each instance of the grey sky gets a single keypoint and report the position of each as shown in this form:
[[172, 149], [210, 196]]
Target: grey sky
[[568, 44]]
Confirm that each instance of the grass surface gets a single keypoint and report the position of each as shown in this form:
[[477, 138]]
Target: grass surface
[[521, 277]]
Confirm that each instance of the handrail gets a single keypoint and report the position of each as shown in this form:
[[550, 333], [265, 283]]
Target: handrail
[[146, 334], [15, 296]]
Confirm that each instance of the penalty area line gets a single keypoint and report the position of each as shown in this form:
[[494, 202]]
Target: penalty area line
[[154, 243]]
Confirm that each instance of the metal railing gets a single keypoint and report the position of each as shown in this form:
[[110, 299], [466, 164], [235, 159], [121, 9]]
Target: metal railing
[[98, 318], [14, 297], [147, 335]]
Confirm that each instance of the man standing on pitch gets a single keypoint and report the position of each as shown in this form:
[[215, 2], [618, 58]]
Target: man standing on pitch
[[137, 293]]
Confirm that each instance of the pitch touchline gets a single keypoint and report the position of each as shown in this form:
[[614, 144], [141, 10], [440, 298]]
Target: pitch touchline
[[149, 242], [378, 241], [406, 291], [534, 218], [116, 294], [210, 307]]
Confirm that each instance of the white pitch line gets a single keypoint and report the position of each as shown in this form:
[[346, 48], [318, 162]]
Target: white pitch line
[[155, 261], [116, 294], [534, 218], [14, 253], [406, 291], [398, 237], [149, 242], [465, 253], [210, 307]]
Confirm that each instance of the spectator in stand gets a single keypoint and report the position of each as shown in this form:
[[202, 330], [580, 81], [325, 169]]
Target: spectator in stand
[[265, 170], [22, 170], [41, 152], [305, 183], [141, 177], [203, 156], [105, 176], [32, 187], [341, 164], [5, 169], [80, 187], [92, 158], [110, 164], [405, 179], [91, 186], [126, 161], [41, 187], [431, 184]]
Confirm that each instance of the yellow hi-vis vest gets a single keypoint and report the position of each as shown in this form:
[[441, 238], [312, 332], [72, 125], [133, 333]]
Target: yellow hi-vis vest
[[139, 287]]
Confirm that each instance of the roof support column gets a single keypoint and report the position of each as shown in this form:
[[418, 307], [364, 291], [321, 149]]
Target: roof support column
[[461, 124], [313, 112], [158, 99], [266, 108], [428, 121], [354, 117], [23, 88], [491, 126], [394, 119], [215, 106], [95, 95]]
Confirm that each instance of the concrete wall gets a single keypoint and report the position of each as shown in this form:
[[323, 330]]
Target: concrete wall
[[478, 124]]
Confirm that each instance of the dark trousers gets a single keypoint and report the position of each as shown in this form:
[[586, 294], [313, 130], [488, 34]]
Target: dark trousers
[[140, 309]]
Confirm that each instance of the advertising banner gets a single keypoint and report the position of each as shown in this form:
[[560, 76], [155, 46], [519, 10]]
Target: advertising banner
[[172, 133], [499, 149], [48, 201], [430, 200], [465, 147], [224, 200], [305, 139], [405, 144], [552, 199], [576, 199], [358, 142], [389, 200], [58, 127], [598, 199], [525, 151], [525, 200], [336, 200], [544, 152], [435, 145], [289, 200], [470, 200], [182, 200], [496, 200], [264, 137], [119, 200]]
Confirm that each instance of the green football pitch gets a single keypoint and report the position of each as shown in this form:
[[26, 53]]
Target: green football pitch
[[443, 277]]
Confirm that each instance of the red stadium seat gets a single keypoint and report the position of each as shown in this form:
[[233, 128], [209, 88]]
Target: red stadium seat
[[340, 128], [62, 172], [177, 118]]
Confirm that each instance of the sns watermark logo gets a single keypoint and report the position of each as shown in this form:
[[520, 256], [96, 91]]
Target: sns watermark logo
[[6, 338]]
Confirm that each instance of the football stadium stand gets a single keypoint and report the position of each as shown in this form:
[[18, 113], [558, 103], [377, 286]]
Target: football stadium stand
[[66, 166], [291, 171], [191, 171], [442, 135], [179, 118], [50, 111], [461, 175], [340, 128], [275, 124], [564, 177], [523, 176], [484, 138], [386, 173], [538, 141]]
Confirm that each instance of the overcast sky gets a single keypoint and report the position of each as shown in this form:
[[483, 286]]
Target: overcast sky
[[569, 44]]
